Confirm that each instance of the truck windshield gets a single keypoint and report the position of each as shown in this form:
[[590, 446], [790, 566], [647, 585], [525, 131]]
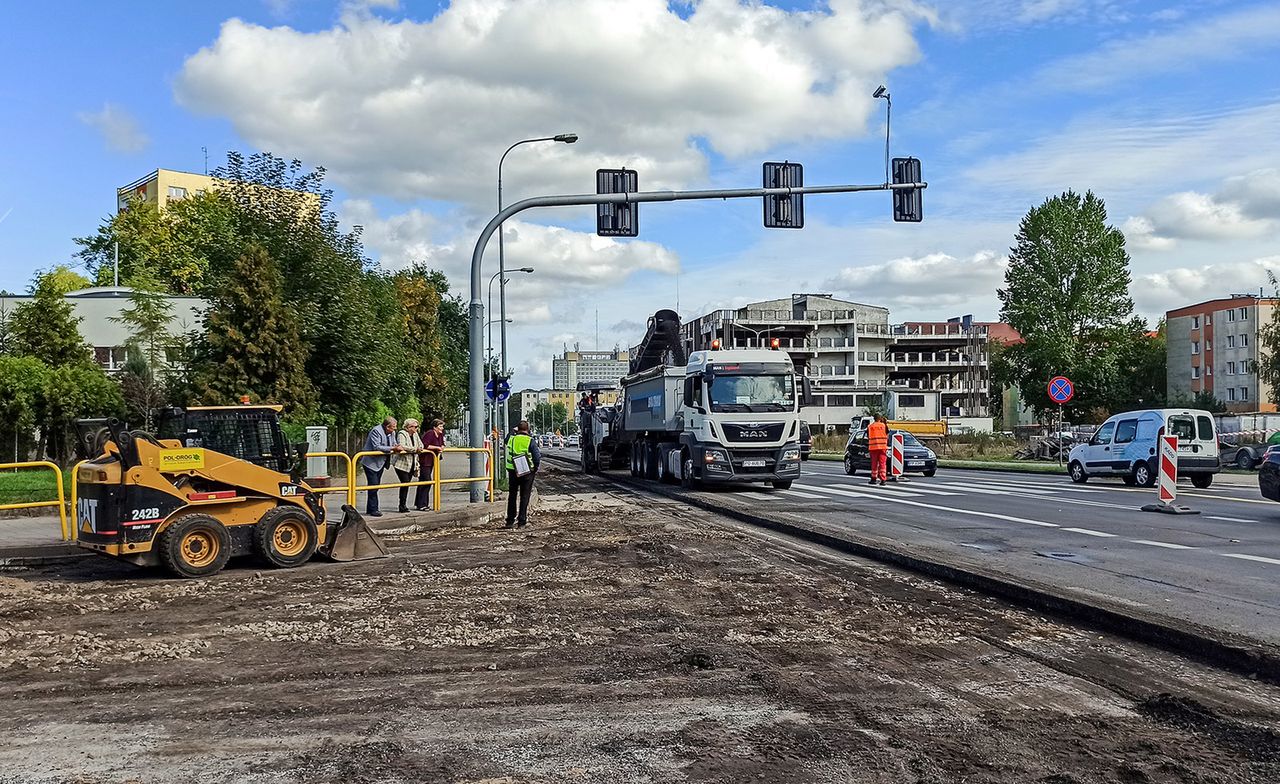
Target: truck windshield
[[752, 393]]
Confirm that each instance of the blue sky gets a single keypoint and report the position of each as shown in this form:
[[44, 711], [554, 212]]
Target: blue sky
[[1166, 109]]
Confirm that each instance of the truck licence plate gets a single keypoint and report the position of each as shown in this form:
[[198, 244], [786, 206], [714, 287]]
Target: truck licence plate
[[753, 464]]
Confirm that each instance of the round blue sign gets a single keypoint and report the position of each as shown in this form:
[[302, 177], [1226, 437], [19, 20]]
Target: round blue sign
[[1061, 390]]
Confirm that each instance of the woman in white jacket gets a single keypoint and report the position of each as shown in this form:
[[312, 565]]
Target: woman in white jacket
[[405, 462]]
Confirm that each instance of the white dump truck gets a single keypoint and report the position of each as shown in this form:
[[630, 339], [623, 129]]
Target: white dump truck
[[717, 416]]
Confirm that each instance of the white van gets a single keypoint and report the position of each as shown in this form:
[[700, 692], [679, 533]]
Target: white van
[[1127, 445]]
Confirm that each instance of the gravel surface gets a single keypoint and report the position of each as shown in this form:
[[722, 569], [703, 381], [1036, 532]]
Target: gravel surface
[[618, 639]]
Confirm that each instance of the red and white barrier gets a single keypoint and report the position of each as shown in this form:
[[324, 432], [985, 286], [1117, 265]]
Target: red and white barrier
[[1167, 480], [1167, 486], [896, 464]]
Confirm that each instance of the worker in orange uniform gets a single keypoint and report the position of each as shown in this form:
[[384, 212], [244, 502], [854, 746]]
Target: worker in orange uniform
[[878, 445]]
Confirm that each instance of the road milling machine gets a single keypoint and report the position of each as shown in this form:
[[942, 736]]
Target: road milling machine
[[220, 482]]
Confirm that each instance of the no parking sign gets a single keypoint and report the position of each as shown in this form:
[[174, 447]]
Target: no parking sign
[[1061, 390]]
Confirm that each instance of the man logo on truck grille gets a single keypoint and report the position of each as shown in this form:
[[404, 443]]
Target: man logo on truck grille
[[753, 434]]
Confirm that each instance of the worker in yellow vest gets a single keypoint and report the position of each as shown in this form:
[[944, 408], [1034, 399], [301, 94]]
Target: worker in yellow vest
[[523, 458]]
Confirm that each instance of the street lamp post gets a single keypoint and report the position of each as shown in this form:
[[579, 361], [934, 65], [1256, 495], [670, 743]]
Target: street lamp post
[[564, 138], [756, 332]]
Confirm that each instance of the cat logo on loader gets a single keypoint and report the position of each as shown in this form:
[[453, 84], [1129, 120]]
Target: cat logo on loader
[[227, 485]]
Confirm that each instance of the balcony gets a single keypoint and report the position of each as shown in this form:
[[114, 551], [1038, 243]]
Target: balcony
[[935, 331], [937, 359]]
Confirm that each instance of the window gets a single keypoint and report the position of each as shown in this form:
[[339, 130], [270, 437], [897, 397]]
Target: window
[[1244, 314], [1231, 315], [1126, 431], [1195, 372], [911, 401], [1231, 368], [1208, 370], [1231, 341], [1205, 424], [1244, 393], [1244, 341], [1184, 427], [1231, 394], [868, 400], [1195, 347], [1195, 322], [839, 400], [1103, 436], [177, 193]]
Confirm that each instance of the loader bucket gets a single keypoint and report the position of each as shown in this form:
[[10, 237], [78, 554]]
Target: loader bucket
[[353, 540]]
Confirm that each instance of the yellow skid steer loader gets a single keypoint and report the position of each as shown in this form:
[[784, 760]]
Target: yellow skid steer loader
[[227, 484]]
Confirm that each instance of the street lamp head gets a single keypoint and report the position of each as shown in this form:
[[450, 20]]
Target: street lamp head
[[567, 138], [880, 92], [525, 269]]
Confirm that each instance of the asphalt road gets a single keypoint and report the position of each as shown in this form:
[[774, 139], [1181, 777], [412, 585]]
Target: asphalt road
[[1220, 568]]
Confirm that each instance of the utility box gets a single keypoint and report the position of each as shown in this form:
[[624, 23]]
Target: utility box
[[317, 441]]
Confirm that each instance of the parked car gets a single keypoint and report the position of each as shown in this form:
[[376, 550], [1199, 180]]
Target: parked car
[[1128, 446], [573, 441], [806, 440], [916, 457], [1269, 473]]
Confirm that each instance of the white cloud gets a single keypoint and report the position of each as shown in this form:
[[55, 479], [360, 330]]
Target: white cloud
[[1231, 37], [424, 109], [936, 281], [1158, 292], [1246, 207], [119, 129], [565, 262]]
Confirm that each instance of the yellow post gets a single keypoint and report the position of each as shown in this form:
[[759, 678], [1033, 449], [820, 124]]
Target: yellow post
[[75, 498], [62, 503], [435, 478]]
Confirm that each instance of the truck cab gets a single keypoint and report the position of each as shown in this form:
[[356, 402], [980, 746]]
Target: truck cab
[[741, 422]]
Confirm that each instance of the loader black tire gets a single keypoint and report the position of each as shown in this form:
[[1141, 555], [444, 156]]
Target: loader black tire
[[195, 545], [285, 537]]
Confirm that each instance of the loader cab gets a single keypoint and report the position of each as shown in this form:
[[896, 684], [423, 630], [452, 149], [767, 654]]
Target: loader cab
[[251, 433]]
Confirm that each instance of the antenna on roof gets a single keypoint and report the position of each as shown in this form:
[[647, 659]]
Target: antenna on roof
[[205, 150]]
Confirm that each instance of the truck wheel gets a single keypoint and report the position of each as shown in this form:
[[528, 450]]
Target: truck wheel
[[687, 480], [660, 466], [651, 461], [635, 460], [782, 484], [849, 467], [1201, 480], [285, 537], [195, 545]]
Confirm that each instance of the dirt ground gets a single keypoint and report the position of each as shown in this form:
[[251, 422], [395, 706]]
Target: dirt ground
[[612, 641]]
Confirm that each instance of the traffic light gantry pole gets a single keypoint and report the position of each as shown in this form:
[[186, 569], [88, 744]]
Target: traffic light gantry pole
[[476, 360]]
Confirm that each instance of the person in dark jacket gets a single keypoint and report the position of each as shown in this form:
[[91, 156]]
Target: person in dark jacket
[[380, 439], [521, 447], [433, 448]]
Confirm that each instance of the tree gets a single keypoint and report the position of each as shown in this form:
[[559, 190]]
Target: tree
[[71, 392], [251, 343], [46, 328], [147, 318], [1267, 364], [1067, 293], [63, 279], [22, 386]]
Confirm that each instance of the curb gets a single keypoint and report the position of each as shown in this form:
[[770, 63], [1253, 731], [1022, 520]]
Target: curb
[[1217, 648], [42, 554], [473, 516]]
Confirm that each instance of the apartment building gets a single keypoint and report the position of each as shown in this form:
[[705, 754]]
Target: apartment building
[[1212, 347], [574, 367], [163, 186]]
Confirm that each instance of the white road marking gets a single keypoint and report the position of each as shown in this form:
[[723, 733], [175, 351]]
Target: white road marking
[[1089, 532], [1231, 519], [805, 495], [1166, 545], [935, 507], [1258, 558]]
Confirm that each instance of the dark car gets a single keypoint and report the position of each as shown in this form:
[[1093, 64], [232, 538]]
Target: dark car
[[1269, 473], [916, 457], [806, 440]]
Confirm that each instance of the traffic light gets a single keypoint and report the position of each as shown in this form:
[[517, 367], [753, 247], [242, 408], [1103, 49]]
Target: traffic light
[[908, 203], [784, 212], [617, 220]]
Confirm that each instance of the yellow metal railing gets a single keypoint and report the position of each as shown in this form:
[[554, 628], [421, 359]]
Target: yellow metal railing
[[346, 459], [436, 480], [73, 506], [60, 501]]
